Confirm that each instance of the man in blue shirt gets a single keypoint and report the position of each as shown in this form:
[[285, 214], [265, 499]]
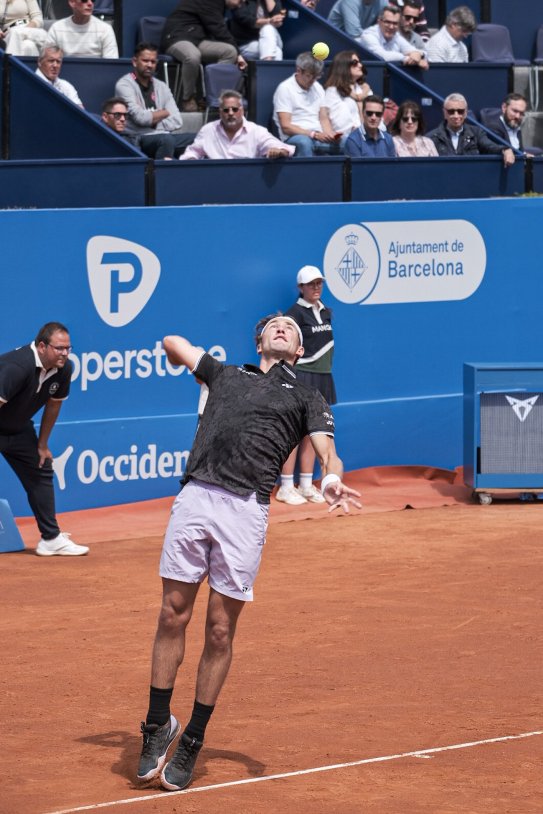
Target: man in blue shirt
[[352, 16], [369, 141]]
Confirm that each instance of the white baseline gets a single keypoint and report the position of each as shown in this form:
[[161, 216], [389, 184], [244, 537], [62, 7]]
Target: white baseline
[[333, 767]]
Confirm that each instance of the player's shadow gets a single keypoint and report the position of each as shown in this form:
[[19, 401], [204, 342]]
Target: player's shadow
[[128, 747]]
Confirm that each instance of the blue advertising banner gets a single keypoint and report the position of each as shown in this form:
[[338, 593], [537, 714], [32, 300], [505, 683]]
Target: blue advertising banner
[[416, 290]]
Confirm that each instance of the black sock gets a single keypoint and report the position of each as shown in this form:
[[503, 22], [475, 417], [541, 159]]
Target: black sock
[[159, 706], [196, 727]]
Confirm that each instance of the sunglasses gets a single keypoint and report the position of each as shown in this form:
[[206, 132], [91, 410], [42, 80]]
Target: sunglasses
[[118, 116], [410, 118], [370, 113], [355, 62], [413, 17], [231, 109], [459, 110]]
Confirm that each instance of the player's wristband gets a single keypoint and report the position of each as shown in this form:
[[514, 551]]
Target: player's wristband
[[327, 480]]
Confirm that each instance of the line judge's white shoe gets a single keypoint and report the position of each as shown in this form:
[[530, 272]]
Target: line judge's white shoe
[[61, 546], [312, 494], [290, 495]]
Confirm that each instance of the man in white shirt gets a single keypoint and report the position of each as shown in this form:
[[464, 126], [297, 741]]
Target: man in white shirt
[[232, 136], [447, 45], [49, 67], [83, 35], [385, 41], [296, 107]]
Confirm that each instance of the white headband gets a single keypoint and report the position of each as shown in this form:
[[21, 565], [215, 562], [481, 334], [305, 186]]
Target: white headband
[[289, 319]]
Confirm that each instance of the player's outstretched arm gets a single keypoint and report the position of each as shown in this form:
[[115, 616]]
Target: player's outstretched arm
[[181, 352], [335, 492]]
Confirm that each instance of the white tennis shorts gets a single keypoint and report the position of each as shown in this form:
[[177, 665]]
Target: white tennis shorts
[[213, 532]]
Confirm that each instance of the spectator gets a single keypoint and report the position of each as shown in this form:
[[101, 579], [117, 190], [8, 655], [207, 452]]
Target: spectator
[[352, 16], [407, 132], [83, 35], [385, 42], [409, 17], [345, 90], [232, 136], [297, 103], [421, 26], [314, 369], [255, 26], [154, 121], [455, 137], [370, 141], [508, 125], [49, 67], [115, 114], [447, 45], [196, 33], [21, 27]]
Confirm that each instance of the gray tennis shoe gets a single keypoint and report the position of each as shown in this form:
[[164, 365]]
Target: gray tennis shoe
[[178, 772], [156, 742]]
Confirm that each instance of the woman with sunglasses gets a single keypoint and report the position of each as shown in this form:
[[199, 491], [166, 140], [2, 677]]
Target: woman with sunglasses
[[21, 27], [345, 90], [407, 132]]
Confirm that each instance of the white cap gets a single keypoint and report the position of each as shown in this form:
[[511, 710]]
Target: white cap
[[307, 274]]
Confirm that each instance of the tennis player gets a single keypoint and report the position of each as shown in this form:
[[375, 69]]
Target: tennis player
[[253, 419]]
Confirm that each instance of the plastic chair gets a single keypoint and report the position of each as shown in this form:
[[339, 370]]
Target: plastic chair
[[221, 76], [539, 46], [492, 43], [150, 30]]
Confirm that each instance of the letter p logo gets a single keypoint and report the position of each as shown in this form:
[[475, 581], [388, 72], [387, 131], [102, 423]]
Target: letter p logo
[[122, 278]]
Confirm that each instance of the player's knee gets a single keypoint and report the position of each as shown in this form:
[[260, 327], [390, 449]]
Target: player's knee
[[172, 620], [219, 635]]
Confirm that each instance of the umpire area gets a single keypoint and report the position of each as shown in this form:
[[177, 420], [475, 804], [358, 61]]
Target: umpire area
[[390, 662]]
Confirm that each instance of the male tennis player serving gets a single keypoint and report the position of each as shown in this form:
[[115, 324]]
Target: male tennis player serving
[[253, 419]]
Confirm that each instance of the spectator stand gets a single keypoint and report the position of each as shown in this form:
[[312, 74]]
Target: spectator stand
[[39, 122], [482, 84], [265, 75]]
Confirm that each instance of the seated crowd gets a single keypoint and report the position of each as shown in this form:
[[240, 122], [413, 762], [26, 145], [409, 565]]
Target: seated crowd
[[342, 116]]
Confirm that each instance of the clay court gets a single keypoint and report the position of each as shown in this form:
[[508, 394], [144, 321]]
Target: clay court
[[390, 664]]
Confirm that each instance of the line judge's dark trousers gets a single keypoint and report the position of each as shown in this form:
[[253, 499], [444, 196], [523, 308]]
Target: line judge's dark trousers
[[21, 452]]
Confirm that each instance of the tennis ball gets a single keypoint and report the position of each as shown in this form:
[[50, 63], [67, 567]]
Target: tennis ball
[[320, 50]]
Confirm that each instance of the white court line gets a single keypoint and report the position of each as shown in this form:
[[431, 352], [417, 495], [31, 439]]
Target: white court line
[[417, 753]]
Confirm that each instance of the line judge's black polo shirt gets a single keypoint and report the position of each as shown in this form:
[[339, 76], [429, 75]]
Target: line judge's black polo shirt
[[251, 424], [20, 388]]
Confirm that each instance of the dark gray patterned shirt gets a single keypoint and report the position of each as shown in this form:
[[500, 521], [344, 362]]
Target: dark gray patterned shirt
[[251, 424]]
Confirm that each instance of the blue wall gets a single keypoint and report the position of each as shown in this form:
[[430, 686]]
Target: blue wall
[[404, 328]]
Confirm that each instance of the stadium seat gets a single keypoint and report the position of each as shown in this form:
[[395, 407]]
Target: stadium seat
[[539, 46], [492, 43], [221, 76]]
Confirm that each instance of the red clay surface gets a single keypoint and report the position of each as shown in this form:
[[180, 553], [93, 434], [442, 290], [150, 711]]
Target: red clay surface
[[372, 635]]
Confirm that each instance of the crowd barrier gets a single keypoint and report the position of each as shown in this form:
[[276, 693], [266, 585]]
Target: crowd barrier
[[138, 182], [73, 183]]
